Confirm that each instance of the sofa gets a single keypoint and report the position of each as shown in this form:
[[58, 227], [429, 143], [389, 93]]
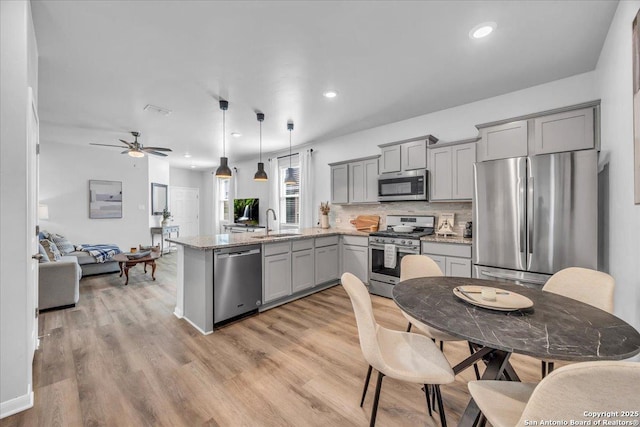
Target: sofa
[[59, 283], [91, 266]]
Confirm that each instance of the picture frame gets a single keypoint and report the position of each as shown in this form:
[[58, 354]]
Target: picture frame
[[636, 107], [105, 199]]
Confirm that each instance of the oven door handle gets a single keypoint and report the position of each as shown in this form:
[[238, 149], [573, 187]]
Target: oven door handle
[[399, 249]]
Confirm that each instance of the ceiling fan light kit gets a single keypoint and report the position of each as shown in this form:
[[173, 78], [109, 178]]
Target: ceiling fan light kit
[[289, 177], [223, 170], [136, 149], [260, 175]]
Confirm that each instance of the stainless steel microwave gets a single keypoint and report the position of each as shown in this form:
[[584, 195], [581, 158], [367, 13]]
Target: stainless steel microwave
[[408, 185]]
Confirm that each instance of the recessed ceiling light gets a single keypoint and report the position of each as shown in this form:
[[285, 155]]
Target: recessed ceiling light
[[482, 30], [192, 166], [236, 134], [330, 94], [187, 155]]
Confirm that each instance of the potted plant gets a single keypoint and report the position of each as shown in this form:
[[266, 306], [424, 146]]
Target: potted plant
[[166, 215], [324, 218]]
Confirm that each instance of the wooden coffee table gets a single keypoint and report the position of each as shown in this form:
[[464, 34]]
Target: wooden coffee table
[[126, 264]]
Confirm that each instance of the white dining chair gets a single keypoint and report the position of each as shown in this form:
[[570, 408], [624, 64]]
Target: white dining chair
[[568, 393], [400, 355], [414, 266], [585, 285]]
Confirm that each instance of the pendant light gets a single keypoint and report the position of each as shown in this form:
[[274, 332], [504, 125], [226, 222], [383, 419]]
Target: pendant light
[[289, 177], [261, 175], [223, 170]]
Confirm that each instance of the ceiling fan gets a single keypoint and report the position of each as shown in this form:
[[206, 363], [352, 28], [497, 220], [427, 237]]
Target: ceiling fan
[[136, 149]]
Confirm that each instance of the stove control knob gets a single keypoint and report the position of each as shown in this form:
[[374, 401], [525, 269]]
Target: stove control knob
[[402, 242], [392, 241]]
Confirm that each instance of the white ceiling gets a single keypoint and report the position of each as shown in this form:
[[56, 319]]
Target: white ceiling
[[101, 62]]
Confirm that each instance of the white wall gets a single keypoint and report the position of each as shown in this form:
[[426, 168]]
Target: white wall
[[65, 171], [614, 85], [448, 125], [19, 69], [180, 177]]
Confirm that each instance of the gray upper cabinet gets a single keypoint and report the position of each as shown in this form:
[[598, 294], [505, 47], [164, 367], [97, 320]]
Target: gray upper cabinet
[[503, 141], [568, 131], [413, 155], [390, 159], [451, 172], [355, 181], [405, 155], [363, 181], [339, 183]]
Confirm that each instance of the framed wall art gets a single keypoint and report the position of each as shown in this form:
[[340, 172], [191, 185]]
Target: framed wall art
[[636, 108], [105, 199]]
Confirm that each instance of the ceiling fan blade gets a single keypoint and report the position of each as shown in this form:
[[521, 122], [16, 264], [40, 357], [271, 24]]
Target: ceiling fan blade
[[106, 145], [157, 149], [130, 144], [125, 152], [156, 153]]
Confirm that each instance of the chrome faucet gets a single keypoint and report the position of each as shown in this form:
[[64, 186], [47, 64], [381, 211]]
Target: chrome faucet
[[274, 218]]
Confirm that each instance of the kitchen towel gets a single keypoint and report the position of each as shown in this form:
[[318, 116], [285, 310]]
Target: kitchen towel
[[389, 256]]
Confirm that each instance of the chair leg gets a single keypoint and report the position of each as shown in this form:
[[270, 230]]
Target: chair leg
[[549, 367], [374, 409], [475, 365], [482, 421], [441, 345], [543, 368], [443, 418], [426, 393], [366, 385], [409, 327]]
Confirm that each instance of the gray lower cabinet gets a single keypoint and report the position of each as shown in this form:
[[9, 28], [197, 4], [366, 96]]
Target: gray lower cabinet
[[276, 270], [327, 261], [355, 256], [454, 259], [302, 270]]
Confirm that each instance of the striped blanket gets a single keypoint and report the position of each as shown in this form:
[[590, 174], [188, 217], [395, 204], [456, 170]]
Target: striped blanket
[[102, 253]]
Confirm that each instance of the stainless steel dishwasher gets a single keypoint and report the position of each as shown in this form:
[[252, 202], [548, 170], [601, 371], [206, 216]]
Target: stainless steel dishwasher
[[237, 283]]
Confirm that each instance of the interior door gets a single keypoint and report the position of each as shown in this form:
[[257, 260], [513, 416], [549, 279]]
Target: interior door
[[33, 126], [500, 214], [185, 206]]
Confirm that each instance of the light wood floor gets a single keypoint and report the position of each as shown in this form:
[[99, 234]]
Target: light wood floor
[[121, 358]]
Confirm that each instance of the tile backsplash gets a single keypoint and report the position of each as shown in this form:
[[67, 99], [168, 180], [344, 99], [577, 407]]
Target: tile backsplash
[[340, 215]]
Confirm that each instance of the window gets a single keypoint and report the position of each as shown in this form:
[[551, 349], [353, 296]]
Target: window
[[289, 193], [223, 200]]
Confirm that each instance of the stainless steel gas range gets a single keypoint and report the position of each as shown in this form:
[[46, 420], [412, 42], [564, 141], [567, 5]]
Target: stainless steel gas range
[[382, 278]]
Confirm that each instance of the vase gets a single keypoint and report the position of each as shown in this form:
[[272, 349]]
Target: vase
[[165, 222], [324, 221]]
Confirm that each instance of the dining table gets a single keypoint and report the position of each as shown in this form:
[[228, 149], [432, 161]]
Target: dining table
[[553, 328]]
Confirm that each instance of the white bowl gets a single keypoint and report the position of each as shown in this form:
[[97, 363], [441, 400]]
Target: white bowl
[[403, 228]]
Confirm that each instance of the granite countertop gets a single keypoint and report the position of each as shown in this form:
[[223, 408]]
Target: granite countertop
[[450, 239], [217, 241]]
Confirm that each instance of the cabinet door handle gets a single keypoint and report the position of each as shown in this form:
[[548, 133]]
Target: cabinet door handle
[[37, 256]]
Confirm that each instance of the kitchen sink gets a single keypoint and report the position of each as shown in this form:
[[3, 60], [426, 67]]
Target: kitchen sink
[[276, 235]]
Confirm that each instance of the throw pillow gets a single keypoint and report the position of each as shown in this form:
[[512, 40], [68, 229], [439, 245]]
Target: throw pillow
[[42, 251], [52, 250], [64, 245]]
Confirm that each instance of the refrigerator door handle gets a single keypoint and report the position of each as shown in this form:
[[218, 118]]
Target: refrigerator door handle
[[530, 212], [521, 194], [515, 278]]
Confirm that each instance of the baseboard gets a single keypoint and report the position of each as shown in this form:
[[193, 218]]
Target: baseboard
[[197, 327], [17, 404], [178, 312]]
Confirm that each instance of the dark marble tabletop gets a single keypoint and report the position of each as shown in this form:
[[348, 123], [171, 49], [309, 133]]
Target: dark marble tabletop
[[555, 328]]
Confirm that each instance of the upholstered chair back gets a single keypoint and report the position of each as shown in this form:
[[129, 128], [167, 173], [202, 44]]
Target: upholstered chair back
[[585, 285], [413, 266]]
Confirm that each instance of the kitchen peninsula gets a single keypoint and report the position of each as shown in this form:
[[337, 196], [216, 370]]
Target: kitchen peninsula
[[275, 268]]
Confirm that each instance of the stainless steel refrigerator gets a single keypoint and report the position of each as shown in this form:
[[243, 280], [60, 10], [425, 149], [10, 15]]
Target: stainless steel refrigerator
[[534, 216]]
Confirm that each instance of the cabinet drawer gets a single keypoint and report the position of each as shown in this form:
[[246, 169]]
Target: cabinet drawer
[[447, 249], [326, 241], [355, 240], [276, 248], [300, 245]]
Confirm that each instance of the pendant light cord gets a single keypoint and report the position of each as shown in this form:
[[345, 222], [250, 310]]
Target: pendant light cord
[[224, 152], [261, 141], [290, 148]]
